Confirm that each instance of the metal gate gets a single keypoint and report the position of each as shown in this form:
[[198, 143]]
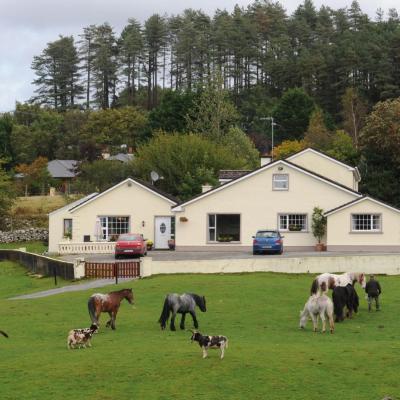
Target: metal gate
[[128, 269]]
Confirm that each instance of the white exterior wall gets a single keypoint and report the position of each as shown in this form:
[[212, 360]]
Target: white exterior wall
[[259, 206], [56, 228], [326, 167], [340, 236], [133, 201]]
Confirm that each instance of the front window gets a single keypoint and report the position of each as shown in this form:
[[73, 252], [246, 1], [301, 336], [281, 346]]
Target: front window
[[67, 229], [224, 228], [112, 227], [280, 182], [293, 222], [366, 223]]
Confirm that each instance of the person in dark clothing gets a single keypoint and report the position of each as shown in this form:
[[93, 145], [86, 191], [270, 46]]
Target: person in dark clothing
[[373, 290]]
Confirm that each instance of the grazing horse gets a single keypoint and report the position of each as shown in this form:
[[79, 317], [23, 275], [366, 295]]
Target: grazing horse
[[333, 280], [318, 305], [110, 303], [4, 334], [344, 296], [182, 304]]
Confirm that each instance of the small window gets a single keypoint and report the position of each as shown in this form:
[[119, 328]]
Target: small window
[[280, 182], [293, 222], [67, 230], [366, 223]]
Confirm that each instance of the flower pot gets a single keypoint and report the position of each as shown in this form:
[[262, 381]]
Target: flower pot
[[171, 244], [320, 247]]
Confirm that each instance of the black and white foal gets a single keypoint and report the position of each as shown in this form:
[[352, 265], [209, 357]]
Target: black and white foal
[[210, 342]]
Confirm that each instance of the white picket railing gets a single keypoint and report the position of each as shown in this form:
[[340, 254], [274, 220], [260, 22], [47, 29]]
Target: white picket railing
[[86, 247]]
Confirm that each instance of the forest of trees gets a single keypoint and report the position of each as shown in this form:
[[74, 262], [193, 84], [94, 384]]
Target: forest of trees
[[325, 75]]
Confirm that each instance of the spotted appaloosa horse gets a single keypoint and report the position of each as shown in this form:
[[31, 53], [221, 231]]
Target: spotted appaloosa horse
[[333, 280], [110, 303]]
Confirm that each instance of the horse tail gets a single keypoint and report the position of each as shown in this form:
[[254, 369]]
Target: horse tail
[[92, 310], [337, 304], [314, 287], [164, 314]]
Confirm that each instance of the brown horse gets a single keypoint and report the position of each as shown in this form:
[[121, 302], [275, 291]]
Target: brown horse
[[110, 303]]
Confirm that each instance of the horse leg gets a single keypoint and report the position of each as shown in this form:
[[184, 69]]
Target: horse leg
[[172, 325], [204, 352], [109, 321], [193, 314], [314, 321], [331, 323], [222, 350], [322, 315], [182, 326], [113, 318]]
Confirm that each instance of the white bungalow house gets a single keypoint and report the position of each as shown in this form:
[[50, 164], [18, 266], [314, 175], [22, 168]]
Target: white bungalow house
[[279, 195], [130, 206]]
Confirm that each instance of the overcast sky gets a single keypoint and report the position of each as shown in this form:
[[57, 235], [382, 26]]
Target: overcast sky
[[26, 26]]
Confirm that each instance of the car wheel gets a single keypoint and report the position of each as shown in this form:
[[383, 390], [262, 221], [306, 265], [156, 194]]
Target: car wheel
[[255, 252], [116, 256], [280, 251]]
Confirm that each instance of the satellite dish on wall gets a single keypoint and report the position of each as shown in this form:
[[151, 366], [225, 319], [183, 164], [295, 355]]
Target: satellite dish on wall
[[154, 177]]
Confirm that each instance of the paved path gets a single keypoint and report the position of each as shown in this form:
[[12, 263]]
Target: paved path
[[72, 288]]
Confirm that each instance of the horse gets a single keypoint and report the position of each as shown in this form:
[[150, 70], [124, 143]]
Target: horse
[[110, 303], [182, 304], [344, 296], [333, 280], [318, 305]]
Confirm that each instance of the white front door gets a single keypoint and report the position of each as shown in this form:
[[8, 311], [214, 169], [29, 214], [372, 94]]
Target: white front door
[[162, 232]]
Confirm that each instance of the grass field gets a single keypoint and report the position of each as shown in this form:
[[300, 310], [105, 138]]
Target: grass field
[[37, 247], [268, 356]]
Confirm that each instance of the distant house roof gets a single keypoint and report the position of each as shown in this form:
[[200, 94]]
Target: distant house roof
[[231, 173], [62, 168], [123, 157]]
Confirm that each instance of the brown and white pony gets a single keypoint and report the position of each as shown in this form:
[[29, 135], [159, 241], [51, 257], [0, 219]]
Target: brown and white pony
[[333, 280], [110, 303]]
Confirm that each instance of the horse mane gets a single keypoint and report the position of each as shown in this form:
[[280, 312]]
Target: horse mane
[[122, 290], [198, 299]]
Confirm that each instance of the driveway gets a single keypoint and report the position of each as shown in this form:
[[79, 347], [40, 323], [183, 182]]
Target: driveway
[[209, 255]]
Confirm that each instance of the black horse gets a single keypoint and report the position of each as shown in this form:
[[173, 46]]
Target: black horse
[[344, 296], [182, 304]]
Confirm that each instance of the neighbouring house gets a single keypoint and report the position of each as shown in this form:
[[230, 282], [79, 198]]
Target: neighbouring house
[[63, 171], [122, 157], [282, 195], [130, 206], [278, 195]]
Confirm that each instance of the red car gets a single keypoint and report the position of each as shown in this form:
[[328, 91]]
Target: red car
[[130, 244]]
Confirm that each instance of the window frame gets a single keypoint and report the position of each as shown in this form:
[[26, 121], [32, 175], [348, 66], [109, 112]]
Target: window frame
[[371, 215], [215, 228], [286, 215], [65, 235], [105, 234], [278, 189]]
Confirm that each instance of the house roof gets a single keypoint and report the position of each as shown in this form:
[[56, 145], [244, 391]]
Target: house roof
[[123, 157], [74, 204], [315, 151], [359, 200], [231, 173], [135, 181], [62, 168], [265, 167]]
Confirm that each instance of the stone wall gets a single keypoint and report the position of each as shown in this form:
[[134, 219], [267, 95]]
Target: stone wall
[[24, 235]]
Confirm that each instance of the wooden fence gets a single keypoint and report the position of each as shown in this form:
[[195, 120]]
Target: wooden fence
[[128, 269], [40, 264]]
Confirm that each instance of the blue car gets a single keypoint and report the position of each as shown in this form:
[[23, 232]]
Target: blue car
[[267, 241]]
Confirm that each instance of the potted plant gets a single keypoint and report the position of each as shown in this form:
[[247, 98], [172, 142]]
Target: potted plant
[[183, 219], [318, 227], [171, 244], [294, 228], [149, 244]]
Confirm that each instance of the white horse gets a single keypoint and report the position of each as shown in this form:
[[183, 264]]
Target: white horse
[[318, 305], [333, 280]]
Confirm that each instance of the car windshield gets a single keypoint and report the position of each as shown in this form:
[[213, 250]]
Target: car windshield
[[267, 234], [125, 238]]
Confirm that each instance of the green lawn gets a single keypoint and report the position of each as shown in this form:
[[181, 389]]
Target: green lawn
[[33, 247], [268, 356]]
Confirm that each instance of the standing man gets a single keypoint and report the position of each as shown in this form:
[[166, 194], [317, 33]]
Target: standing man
[[373, 290]]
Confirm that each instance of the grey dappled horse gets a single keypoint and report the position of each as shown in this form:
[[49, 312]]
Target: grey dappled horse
[[182, 304]]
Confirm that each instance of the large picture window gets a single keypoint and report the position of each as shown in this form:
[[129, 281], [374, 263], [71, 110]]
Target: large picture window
[[293, 222], [280, 182], [224, 228], [112, 227], [366, 223]]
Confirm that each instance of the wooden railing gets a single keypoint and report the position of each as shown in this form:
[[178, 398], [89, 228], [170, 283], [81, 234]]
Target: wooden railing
[[86, 247]]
